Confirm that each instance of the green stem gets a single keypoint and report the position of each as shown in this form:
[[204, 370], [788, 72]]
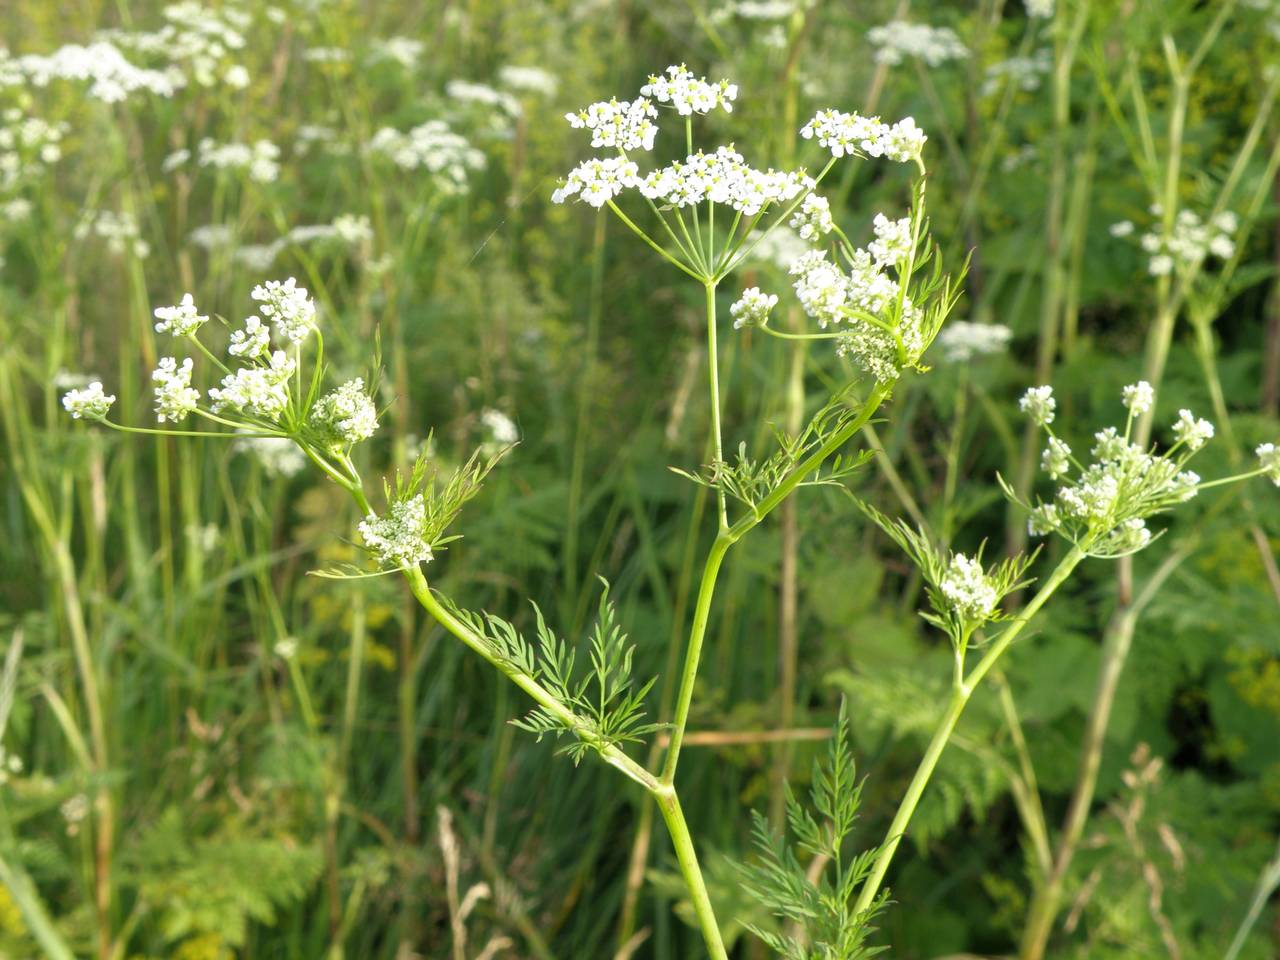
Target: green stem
[[687, 858], [713, 375], [960, 694]]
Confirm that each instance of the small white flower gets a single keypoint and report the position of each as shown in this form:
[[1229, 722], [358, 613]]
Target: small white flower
[[1039, 8], [347, 414], [621, 125], [899, 39], [502, 429], [1043, 520], [1121, 228], [181, 320], [690, 94], [961, 340], [1222, 247], [968, 589], [1161, 265], [288, 307], [598, 180], [892, 244], [1039, 404], [258, 391], [90, 403], [1191, 430], [397, 539], [286, 648], [812, 221], [1056, 459], [252, 342], [175, 397], [752, 308], [1269, 460], [1139, 397]]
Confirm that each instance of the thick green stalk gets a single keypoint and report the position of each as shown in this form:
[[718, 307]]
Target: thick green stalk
[[687, 858], [960, 694]]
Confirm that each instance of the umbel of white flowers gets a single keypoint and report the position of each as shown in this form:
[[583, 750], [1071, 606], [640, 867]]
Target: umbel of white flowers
[[1102, 506], [258, 389]]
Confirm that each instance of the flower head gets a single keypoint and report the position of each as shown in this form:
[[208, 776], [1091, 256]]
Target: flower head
[[181, 320], [347, 415], [598, 180], [690, 94], [813, 220], [288, 307], [968, 590], [260, 391], [89, 403], [752, 308], [961, 340], [397, 539], [1138, 398], [1191, 430], [175, 397], [1038, 403], [252, 342], [624, 125]]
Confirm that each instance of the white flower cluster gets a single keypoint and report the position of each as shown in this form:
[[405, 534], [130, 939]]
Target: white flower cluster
[[864, 300], [288, 306], [752, 308], [528, 80], [259, 391], [397, 539], [1194, 431], [1139, 398], [110, 75], [892, 244], [1039, 404], [1105, 507], [961, 341], [175, 397], [690, 94], [1023, 72], [899, 39], [260, 159], [723, 177], [89, 403], [848, 134], [404, 51], [1269, 461], [598, 180], [198, 43], [252, 342], [1189, 243], [181, 320], [622, 125], [434, 147], [279, 456], [28, 146], [119, 230], [347, 415], [968, 590], [484, 95], [812, 221], [1039, 8]]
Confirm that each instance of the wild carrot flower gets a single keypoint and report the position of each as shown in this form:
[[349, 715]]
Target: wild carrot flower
[[968, 589], [258, 391], [961, 341], [690, 94], [397, 538], [898, 39], [346, 415], [89, 402], [813, 220], [621, 125], [598, 180], [288, 307], [252, 342], [1038, 403], [752, 308], [1138, 397], [175, 397], [1191, 430], [182, 320]]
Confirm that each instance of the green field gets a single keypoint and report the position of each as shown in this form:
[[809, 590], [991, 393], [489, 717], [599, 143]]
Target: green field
[[639, 481]]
